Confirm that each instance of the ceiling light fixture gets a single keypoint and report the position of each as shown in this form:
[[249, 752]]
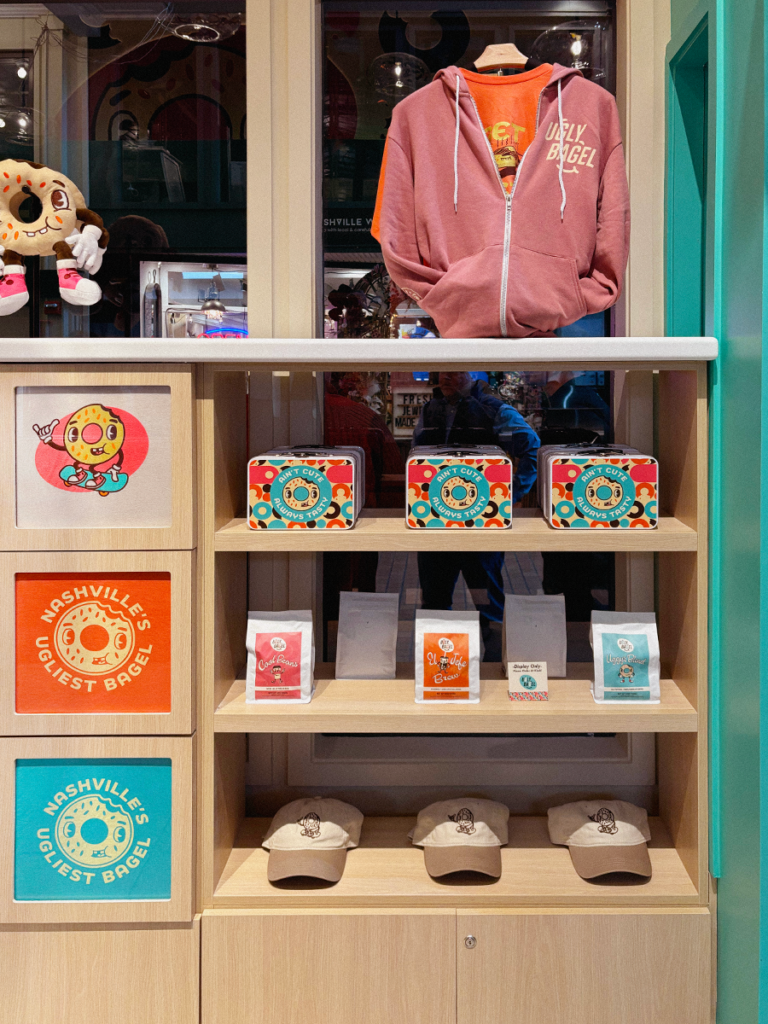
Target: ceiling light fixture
[[205, 28]]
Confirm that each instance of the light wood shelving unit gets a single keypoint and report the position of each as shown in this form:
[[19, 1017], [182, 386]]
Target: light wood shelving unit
[[368, 943], [386, 873]]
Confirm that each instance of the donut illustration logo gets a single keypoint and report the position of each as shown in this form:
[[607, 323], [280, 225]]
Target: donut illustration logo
[[92, 638], [604, 493], [606, 821], [93, 643], [310, 825], [626, 674], [465, 821], [93, 457], [459, 492], [92, 441], [93, 829]]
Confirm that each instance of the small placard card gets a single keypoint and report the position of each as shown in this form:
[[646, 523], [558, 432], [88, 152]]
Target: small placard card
[[527, 680]]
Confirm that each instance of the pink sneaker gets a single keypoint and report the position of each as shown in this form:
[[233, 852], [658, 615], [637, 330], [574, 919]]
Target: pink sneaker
[[80, 291], [13, 290], [77, 478]]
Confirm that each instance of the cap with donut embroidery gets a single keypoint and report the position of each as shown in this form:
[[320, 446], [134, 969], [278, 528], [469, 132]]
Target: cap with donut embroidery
[[43, 213]]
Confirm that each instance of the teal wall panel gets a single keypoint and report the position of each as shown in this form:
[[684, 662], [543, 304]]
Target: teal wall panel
[[681, 10], [734, 229], [739, 136]]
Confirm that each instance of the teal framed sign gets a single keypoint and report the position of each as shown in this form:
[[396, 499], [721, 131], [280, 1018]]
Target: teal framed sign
[[93, 829]]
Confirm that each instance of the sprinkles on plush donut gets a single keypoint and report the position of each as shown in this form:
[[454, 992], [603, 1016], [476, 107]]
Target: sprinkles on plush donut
[[43, 213]]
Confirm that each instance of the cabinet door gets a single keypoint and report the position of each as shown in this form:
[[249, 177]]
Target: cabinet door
[[345, 968], [100, 975], [568, 967]]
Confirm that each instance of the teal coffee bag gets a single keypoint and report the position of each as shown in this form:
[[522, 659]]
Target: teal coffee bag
[[626, 652]]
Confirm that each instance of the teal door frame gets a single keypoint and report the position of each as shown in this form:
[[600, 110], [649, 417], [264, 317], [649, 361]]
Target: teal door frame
[[716, 277]]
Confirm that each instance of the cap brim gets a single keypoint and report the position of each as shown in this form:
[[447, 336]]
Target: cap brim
[[325, 864], [593, 861], [446, 860]]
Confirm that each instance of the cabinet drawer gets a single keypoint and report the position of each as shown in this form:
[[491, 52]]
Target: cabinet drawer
[[570, 967], [371, 966]]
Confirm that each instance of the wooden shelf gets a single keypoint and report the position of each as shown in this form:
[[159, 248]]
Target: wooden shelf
[[385, 530], [387, 705], [386, 870]]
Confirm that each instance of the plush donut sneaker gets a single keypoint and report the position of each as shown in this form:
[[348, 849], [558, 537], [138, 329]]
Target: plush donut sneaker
[[43, 213], [80, 291], [13, 290]]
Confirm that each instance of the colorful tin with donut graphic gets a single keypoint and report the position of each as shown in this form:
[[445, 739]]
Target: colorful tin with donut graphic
[[306, 488], [459, 488], [613, 488]]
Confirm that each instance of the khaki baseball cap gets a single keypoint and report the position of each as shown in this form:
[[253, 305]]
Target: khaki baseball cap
[[462, 835], [602, 836], [310, 837]]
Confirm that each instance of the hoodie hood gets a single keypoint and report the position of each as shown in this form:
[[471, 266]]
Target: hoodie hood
[[484, 262], [454, 82]]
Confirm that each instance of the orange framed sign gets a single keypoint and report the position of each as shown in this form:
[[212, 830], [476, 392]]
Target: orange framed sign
[[93, 643], [96, 643]]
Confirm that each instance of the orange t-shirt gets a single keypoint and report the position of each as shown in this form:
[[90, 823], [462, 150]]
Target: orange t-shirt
[[507, 106]]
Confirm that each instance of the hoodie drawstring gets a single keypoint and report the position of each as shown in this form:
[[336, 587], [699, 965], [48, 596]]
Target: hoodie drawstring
[[456, 154], [456, 149], [560, 170]]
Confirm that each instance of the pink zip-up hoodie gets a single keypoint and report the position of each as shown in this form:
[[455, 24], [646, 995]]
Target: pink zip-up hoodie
[[487, 264]]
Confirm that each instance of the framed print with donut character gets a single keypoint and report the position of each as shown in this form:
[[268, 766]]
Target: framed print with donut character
[[458, 488], [306, 488], [43, 213], [98, 643], [96, 829], [593, 489], [102, 460]]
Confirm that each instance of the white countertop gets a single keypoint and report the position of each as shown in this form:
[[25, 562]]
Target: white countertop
[[379, 353]]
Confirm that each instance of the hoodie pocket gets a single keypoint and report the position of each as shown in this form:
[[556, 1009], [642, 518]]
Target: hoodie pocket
[[544, 291], [465, 301]]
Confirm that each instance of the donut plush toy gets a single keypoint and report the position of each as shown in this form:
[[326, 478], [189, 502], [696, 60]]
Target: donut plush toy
[[61, 225]]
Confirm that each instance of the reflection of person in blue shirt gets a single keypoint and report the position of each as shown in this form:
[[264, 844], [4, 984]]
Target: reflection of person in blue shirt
[[464, 412]]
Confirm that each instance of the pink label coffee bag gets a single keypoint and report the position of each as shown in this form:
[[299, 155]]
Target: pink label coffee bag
[[281, 657]]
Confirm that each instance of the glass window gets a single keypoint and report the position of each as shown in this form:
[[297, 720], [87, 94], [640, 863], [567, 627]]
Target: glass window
[[142, 113], [374, 56]]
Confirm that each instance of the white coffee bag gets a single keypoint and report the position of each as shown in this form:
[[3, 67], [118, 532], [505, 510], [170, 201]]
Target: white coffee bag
[[366, 645], [447, 657], [281, 658], [534, 630], [626, 653]]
